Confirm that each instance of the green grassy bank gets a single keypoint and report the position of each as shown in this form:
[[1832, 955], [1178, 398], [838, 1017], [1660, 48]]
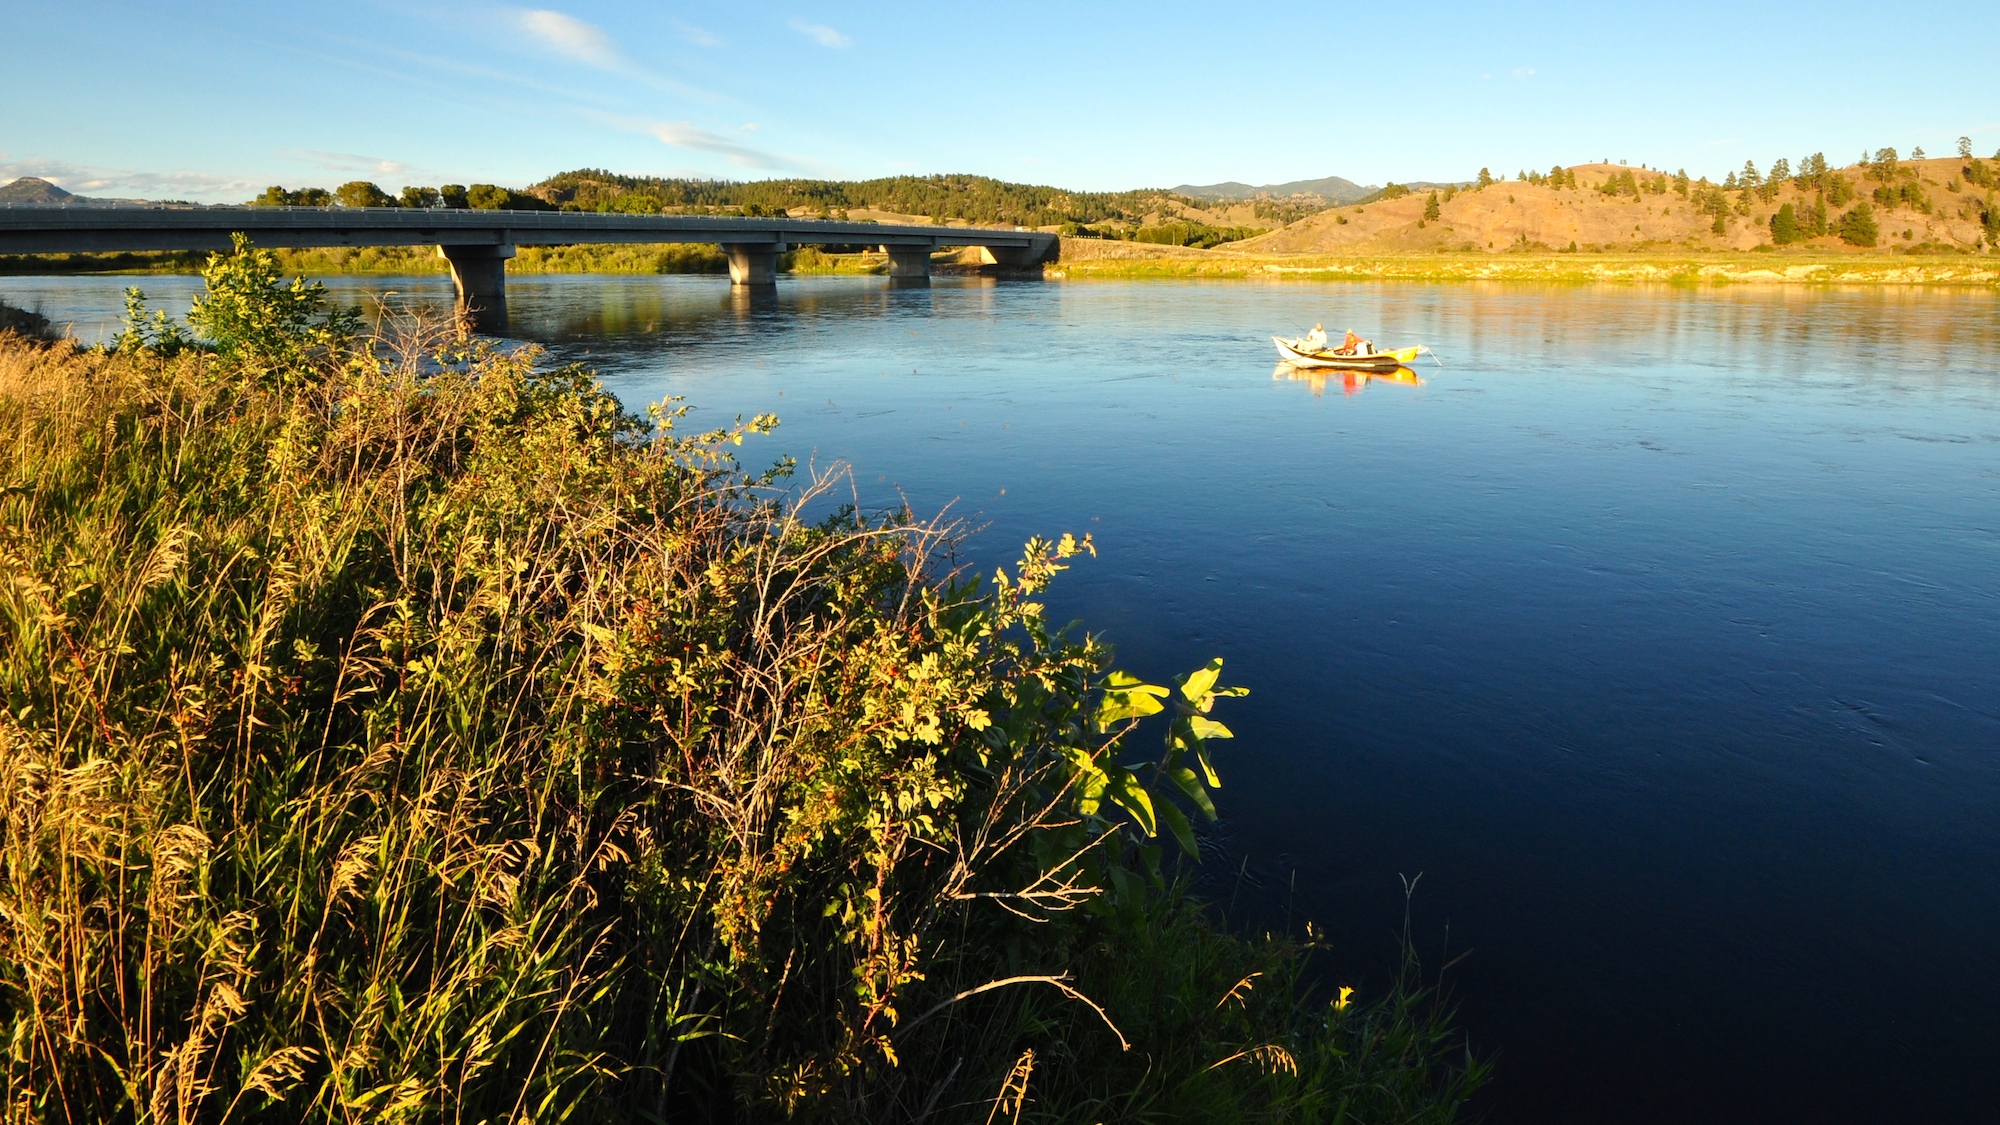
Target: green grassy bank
[[1083, 260], [399, 730]]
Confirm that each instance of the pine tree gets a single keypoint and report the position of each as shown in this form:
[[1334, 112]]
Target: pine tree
[[1485, 178], [1431, 211], [1781, 169], [1857, 227], [1917, 153], [1721, 223], [1749, 176], [1816, 218], [1785, 226], [1965, 148]]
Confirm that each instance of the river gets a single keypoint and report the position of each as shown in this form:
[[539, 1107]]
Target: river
[[1658, 630]]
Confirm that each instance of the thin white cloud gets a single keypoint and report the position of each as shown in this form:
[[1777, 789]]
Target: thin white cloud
[[821, 34], [1524, 72], [700, 37], [348, 161], [126, 183], [750, 127], [563, 34], [683, 134]]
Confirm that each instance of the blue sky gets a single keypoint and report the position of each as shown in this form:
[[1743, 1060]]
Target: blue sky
[[212, 100]]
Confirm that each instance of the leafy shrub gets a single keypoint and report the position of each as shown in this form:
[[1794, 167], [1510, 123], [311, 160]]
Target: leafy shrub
[[361, 193]]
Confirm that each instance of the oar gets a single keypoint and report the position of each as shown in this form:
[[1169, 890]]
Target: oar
[[1434, 356]]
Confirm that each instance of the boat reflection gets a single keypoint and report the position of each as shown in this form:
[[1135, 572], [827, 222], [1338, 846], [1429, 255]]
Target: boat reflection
[[1350, 382]]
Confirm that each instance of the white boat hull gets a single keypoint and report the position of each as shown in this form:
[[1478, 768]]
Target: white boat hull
[[1296, 353]]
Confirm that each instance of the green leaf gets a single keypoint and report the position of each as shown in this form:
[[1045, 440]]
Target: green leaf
[[1185, 779], [1178, 825], [1126, 698], [1091, 780], [1207, 769], [1208, 728], [1198, 682], [1122, 680], [1126, 792]]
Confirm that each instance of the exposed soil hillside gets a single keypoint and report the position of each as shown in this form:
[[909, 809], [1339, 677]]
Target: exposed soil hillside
[[1514, 215]]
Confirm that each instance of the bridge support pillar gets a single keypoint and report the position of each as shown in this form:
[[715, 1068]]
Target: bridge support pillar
[[752, 263], [909, 265], [479, 273], [1011, 257]]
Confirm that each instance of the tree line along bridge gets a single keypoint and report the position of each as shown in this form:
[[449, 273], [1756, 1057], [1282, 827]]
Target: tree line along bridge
[[477, 244]]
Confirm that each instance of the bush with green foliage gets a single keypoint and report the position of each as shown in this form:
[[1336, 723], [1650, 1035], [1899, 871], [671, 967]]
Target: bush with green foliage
[[1199, 235], [361, 193], [397, 730], [277, 196]]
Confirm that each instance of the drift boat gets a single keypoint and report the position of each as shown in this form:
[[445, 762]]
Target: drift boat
[[1301, 354]]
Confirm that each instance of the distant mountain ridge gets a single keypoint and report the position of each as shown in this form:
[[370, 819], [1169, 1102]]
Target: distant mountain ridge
[[33, 191], [1335, 189]]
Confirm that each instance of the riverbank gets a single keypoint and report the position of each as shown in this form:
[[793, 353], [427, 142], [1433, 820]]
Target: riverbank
[[1084, 259], [341, 667]]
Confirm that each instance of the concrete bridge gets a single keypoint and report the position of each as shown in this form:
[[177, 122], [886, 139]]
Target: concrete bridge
[[478, 243]]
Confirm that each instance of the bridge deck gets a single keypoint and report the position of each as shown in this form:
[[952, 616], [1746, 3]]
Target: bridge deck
[[69, 230]]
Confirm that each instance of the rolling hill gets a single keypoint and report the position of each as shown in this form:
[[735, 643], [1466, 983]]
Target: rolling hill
[[1605, 207]]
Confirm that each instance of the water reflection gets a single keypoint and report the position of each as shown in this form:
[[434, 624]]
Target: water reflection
[[1349, 381], [1658, 631]]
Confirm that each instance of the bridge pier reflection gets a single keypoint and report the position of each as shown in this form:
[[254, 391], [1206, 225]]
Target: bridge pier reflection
[[750, 300]]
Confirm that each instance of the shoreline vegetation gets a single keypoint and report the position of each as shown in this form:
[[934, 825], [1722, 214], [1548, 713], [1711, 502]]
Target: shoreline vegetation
[[399, 727]]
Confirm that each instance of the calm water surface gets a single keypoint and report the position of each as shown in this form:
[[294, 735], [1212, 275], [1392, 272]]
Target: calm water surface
[[1659, 631]]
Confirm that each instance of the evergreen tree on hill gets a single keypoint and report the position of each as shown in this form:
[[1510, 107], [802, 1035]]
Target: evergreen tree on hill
[[1785, 226], [1857, 227], [1431, 211]]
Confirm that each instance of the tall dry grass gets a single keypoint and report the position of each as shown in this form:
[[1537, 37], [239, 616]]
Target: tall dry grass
[[395, 730]]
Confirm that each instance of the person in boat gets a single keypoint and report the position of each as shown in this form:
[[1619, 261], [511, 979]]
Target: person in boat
[[1315, 340], [1350, 345]]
